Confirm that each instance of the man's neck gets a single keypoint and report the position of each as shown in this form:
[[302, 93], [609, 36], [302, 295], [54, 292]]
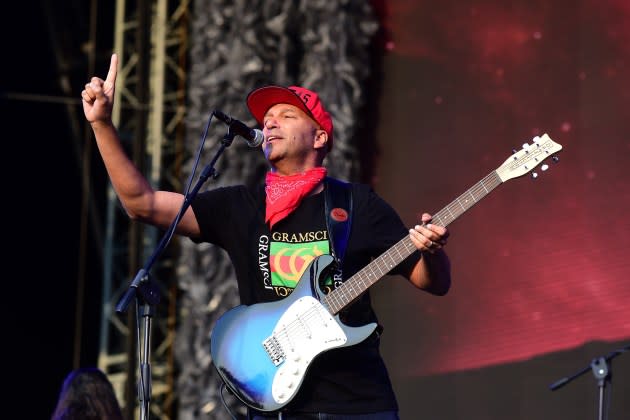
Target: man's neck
[[285, 170]]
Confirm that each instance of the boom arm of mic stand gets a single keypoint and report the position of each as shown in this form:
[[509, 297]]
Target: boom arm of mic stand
[[594, 364], [562, 382]]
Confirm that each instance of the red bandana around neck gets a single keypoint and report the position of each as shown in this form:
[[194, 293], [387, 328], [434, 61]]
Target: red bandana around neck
[[284, 193]]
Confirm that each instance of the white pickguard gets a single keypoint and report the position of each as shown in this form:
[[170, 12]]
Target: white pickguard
[[305, 330]]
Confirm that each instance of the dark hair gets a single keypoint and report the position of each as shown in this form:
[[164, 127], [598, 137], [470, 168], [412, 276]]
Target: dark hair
[[87, 394]]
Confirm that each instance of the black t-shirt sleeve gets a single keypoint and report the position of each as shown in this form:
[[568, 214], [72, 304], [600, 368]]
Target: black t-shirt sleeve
[[219, 209]]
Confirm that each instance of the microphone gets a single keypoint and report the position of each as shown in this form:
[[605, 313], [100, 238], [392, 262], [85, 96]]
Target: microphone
[[252, 136]]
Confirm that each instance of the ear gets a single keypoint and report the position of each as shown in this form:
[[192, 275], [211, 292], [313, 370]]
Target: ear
[[321, 139]]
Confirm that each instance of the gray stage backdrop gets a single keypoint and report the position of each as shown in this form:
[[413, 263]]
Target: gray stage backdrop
[[237, 45]]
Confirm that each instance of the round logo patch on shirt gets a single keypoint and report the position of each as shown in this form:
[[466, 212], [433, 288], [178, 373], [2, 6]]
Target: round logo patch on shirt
[[339, 214]]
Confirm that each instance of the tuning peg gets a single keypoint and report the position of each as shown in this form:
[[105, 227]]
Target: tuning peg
[[544, 167], [555, 158], [534, 175]]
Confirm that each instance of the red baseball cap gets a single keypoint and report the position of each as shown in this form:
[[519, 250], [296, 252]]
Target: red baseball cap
[[260, 100]]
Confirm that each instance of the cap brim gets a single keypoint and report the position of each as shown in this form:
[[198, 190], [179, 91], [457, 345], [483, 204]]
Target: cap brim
[[260, 100]]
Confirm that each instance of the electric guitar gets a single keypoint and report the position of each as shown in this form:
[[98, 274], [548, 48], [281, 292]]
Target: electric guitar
[[262, 352]]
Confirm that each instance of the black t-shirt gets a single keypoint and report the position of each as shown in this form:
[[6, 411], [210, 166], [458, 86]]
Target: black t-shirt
[[268, 265]]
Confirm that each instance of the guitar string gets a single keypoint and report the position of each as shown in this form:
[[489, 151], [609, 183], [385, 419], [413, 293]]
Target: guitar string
[[367, 276], [338, 298], [297, 329]]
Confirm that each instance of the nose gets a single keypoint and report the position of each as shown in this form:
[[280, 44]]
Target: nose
[[270, 123]]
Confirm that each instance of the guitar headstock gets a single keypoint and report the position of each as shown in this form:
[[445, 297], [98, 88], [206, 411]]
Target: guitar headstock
[[528, 158]]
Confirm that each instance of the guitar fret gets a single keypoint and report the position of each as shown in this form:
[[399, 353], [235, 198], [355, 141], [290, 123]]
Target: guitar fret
[[472, 196], [379, 265], [484, 187], [460, 204], [389, 264], [342, 295], [399, 255], [448, 208]]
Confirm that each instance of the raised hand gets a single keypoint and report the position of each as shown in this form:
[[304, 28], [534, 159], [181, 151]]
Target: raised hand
[[98, 95]]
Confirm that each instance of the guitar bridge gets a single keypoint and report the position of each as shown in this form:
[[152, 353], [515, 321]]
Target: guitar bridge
[[274, 350]]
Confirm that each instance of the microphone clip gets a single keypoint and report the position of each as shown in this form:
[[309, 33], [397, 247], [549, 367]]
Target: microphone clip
[[253, 137]]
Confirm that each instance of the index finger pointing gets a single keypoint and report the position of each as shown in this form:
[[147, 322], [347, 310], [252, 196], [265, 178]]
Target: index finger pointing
[[113, 68]]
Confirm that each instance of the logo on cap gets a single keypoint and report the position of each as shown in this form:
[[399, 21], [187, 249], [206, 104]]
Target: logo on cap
[[305, 96]]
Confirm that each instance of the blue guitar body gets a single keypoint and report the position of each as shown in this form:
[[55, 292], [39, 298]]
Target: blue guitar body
[[263, 351]]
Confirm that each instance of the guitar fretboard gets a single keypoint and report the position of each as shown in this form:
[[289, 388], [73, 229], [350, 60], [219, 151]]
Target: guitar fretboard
[[383, 264]]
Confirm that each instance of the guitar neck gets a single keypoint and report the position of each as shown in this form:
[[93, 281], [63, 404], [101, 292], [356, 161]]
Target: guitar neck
[[380, 266]]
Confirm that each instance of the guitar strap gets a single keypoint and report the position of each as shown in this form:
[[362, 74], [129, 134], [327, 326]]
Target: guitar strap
[[338, 208]]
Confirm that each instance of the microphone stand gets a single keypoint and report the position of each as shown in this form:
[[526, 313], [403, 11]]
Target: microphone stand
[[602, 371], [146, 291]]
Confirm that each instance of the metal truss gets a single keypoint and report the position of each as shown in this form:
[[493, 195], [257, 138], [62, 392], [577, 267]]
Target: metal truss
[[150, 38]]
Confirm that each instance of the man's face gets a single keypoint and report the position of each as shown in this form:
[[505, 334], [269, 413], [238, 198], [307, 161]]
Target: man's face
[[290, 135]]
